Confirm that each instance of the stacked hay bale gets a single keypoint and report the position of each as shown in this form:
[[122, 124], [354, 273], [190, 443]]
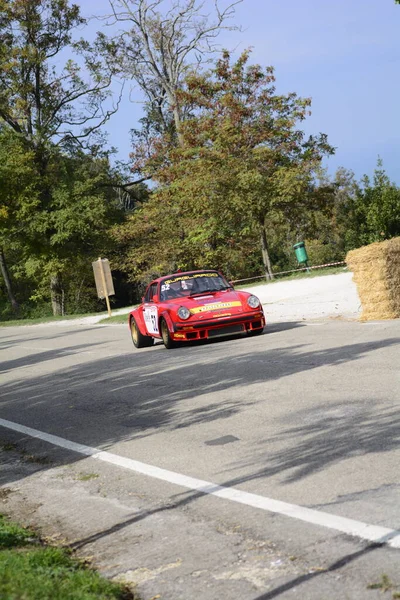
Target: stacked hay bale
[[376, 273]]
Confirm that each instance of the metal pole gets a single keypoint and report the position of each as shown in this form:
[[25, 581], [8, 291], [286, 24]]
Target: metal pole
[[103, 279]]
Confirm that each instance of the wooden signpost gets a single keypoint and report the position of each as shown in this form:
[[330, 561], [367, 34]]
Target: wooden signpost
[[103, 279]]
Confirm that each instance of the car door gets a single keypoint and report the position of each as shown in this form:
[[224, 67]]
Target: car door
[[150, 310]]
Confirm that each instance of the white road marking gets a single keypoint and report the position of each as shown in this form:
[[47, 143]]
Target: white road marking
[[371, 533]]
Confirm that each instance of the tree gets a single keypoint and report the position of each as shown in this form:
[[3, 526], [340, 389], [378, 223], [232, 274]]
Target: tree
[[51, 110], [328, 231], [243, 162], [374, 212], [358, 213], [80, 214], [18, 200], [160, 46], [68, 235], [36, 100]]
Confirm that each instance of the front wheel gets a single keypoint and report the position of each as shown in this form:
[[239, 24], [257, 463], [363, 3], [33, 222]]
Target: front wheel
[[139, 340], [166, 338]]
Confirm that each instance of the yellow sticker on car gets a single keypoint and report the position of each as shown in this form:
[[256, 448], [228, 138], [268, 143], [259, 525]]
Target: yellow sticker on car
[[216, 306]]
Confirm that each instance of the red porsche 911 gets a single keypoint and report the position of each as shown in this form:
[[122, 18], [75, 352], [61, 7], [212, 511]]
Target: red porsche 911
[[196, 305]]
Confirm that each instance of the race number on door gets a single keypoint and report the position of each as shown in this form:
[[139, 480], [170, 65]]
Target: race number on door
[[151, 319]]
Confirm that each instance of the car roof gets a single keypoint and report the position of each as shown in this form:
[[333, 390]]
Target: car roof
[[180, 273]]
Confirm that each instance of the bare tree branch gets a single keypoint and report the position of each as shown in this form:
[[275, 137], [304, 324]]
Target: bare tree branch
[[36, 100], [159, 48], [70, 135], [10, 121], [125, 186]]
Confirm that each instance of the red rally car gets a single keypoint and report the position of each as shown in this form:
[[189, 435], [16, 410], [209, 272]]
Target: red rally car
[[195, 305]]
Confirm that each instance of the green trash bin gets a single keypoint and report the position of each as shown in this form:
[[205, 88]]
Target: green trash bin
[[301, 252]]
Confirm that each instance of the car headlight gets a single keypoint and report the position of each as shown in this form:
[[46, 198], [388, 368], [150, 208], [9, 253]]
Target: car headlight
[[253, 302], [183, 312]]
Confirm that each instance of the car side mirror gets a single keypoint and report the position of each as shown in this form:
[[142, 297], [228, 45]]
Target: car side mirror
[[155, 298], [231, 284]]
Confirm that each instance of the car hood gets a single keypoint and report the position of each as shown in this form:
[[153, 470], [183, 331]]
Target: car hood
[[217, 304]]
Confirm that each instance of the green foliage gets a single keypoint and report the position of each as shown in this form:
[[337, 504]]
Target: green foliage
[[11, 535], [320, 253], [19, 188], [65, 233], [33, 572], [355, 214], [231, 165], [38, 101], [51, 206], [378, 208], [117, 319], [371, 212], [385, 584], [243, 165]]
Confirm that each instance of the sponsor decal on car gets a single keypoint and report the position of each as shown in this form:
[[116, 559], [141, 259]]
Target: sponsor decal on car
[[220, 315], [215, 306], [186, 277]]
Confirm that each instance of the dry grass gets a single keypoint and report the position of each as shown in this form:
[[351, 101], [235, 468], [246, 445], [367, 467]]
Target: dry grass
[[376, 272]]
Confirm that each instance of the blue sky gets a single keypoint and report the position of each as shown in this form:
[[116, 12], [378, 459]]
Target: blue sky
[[344, 54]]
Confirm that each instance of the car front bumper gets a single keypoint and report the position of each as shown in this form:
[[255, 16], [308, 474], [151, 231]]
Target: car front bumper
[[232, 325]]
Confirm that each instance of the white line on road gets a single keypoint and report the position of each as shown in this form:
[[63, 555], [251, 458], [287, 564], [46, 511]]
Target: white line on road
[[372, 533]]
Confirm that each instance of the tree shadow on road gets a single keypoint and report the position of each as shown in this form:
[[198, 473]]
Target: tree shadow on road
[[310, 447], [47, 355], [307, 577], [123, 398]]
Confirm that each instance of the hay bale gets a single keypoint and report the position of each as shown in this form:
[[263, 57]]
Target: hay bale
[[376, 273]]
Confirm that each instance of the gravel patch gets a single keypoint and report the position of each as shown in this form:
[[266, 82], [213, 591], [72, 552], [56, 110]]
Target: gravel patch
[[328, 296]]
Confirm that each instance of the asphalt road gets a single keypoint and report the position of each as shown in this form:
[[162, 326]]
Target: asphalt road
[[307, 414]]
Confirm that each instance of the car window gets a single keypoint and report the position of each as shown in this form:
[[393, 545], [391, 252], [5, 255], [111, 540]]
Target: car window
[[151, 291], [179, 286]]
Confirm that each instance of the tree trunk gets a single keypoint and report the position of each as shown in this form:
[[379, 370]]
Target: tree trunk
[[177, 121], [265, 255], [7, 281], [56, 289]]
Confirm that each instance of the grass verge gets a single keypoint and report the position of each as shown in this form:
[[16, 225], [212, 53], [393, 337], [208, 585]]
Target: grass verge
[[31, 571], [38, 320], [116, 319]]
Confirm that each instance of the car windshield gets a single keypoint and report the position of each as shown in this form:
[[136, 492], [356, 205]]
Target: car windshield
[[180, 286]]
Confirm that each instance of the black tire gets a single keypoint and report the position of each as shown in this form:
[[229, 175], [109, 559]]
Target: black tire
[[139, 340], [254, 332], [166, 338]]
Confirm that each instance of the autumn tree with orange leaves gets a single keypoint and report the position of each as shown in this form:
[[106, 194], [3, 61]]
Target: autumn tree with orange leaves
[[243, 162]]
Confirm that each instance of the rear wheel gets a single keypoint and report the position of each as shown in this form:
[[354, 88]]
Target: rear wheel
[[166, 338], [253, 332], [139, 340]]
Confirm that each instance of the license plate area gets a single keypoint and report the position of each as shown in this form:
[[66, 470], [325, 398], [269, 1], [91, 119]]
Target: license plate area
[[228, 330]]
